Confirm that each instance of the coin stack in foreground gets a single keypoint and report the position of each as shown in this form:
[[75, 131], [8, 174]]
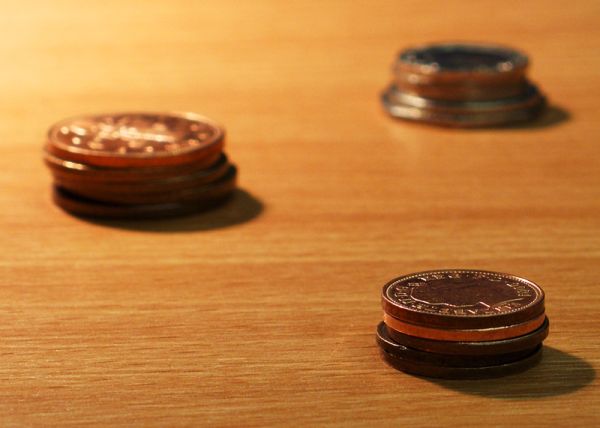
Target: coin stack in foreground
[[462, 324], [462, 85], [138, 165]]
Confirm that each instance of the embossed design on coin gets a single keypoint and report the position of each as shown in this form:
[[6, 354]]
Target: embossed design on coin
[[134, 133], [461, 295], [133, 136]]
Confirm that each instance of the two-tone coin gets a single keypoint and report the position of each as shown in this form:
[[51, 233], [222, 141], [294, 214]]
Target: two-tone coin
[[471, 318], [133, 165]]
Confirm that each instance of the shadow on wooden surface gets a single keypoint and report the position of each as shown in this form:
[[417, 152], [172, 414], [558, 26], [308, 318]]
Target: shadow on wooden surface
[[241, 208], [558, 373], [552, 116]]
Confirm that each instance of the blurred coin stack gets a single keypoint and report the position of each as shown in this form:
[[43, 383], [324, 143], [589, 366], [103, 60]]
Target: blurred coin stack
[[138, 165], [462, 324], [462, 85]]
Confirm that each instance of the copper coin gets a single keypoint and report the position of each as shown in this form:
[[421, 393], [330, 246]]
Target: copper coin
[[463, 63], [223, 185], [463, 114], [463, 299], [519, 343], [135, 139], [421, 368], [85, 173], [85, 207], [386, 343], [471, 335], [149, 185]]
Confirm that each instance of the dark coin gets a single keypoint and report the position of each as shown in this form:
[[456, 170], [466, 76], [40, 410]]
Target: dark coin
[[84, 173], [464, 114], [135, 139], [149, 185], [463, 299], [515, 344], [385, 341], [223, 185], [471, 335], [86, 207], [420, 368]]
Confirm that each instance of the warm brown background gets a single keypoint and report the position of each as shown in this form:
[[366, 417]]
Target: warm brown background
[[249, 318]]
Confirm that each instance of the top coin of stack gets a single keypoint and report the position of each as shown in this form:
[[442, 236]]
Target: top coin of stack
[[462, 85], [136, 165], [462, 323]]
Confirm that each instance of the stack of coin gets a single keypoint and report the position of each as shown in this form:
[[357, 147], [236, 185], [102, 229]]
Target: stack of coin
[[462, 323], [462, 85], [138, 165]]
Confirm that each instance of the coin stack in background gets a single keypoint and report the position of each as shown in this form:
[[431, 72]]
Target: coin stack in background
[[138, 165], [462, 85], [462, 324]]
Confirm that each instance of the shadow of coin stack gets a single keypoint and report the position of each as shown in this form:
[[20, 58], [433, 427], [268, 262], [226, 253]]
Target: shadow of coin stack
[[138, 165], [460, 324], [462, 85]]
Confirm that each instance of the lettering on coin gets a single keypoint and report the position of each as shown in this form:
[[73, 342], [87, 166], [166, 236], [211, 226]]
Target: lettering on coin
[[463, 293]]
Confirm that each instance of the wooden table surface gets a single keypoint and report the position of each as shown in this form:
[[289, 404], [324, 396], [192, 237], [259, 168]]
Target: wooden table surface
[[263, 312]]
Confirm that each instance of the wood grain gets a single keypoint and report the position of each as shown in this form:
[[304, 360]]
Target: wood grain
[[264, 313]]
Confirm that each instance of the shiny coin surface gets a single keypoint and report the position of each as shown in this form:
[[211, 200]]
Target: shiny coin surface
[[421, 368], [135, 139], [386, 342], [514, 344], [463, 299]]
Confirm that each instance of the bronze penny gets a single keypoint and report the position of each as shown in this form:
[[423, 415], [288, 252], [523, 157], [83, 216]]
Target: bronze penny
[[471, 335], [463, 299], [520, 343], [135, 139], [421, 368], [86, 207], [223, 185], [84, 173], [386, 343], [148, 185]]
